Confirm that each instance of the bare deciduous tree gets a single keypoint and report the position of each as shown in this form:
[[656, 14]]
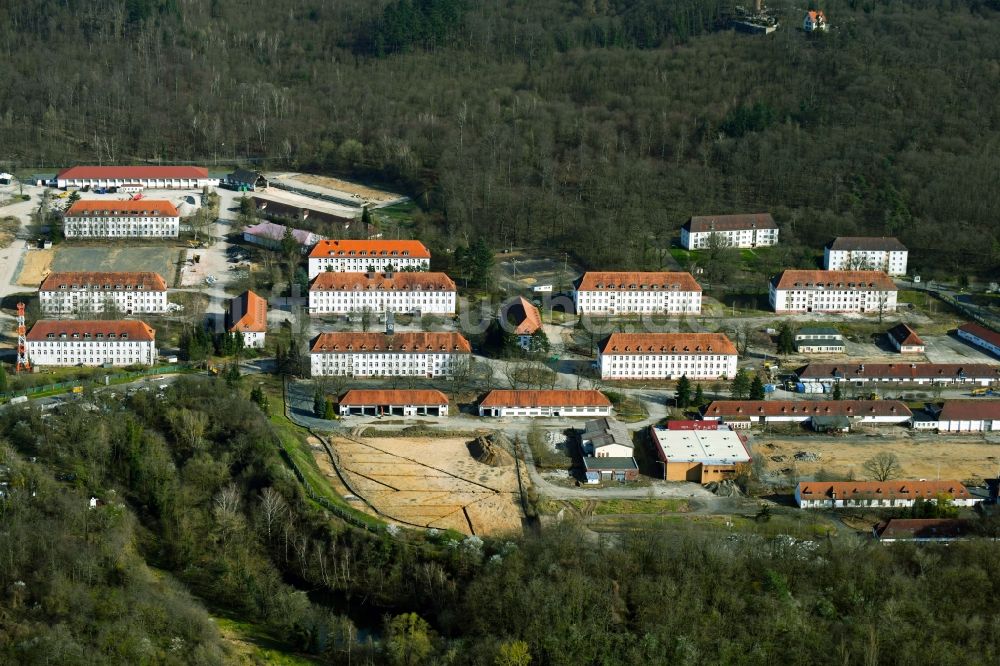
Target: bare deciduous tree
[[882, 466]]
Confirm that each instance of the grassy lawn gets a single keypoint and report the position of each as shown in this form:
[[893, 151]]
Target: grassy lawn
[[401, 212], [255, 645], [635, 506], [627, 409], [681, 256]]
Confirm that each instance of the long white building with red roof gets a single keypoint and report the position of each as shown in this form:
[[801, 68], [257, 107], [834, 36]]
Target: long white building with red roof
[[341, 293], [159, 177], [70, 342], [85, 293], [359, 256], [104, 218], [632, 293], [667, 356], [832, 291], [410, 354]]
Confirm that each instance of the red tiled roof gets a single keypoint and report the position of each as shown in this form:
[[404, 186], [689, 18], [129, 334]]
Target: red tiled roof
[[981, 332], [394, 397], [556, 398], [834, 280], [970, 410], [137, 331], [922, 528], [112, 208], [854, 490], [419, 281], [748, 408], [530, 317], [637, 281], [701, 223], [253, 309], [113, 280], [901, 371], [905, 336], [404, 249], [413, 342], [133, 172], [668, 343]]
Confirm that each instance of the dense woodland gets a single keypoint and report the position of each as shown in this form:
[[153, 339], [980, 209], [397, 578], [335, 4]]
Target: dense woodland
[[558, 123], [200, 513]]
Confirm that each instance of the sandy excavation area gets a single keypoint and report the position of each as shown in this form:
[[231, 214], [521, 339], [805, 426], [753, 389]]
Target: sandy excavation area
[[432, 482], [922, 456], [369, 194], [36, 267]]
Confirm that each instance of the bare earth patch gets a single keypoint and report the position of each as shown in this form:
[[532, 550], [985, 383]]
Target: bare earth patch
[[366, 193], [36, 266], [924, 457], [432, 482]]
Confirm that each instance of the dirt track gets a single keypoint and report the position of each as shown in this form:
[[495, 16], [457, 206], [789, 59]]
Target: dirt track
[[366, 193], [432, 482]]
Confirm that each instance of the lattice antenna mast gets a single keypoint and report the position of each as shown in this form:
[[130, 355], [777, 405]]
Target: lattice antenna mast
[[22, 343]]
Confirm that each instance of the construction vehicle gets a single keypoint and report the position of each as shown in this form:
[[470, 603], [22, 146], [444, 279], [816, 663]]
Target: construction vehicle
[[77, 389]]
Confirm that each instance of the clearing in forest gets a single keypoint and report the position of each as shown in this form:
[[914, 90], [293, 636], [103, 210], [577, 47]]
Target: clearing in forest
[[432, 482]]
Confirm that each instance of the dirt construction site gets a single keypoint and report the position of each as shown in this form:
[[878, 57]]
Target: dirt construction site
[[921, 456], [37, 264], [439, 482]]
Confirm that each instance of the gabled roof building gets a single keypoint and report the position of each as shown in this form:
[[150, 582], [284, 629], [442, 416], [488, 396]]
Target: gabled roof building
[[105, 218], [905, 339], [247, 316], [742, 230], [409, 354], [982, 374], [667, 356], [83, 293], [879, 494], [980, 336], [396, 402], [794, 291], [416, 292], [159, 177], [71, 342], [634, 293], [545, 403], [359, 256], [854, 253]]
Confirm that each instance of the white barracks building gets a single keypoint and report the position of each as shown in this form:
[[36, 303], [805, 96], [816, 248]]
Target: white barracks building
[[866, 254], [750, 230], [667, 356], [91, 293], [158, 177], [91, 343], [360, 256], [832, 291], [624, 293], [419, 354], [338, 293], [146, 218]]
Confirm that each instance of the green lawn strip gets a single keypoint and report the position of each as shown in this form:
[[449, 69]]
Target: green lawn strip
[[261, 645], [627, 409]]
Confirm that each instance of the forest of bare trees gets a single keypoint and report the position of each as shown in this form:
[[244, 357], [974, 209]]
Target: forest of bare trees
[[543, 123]]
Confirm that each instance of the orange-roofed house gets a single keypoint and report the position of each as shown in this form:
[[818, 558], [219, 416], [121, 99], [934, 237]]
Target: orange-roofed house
[[71, 342], [248, 317], [524, 319], [385, 402], [408, 354], [105, 218], [83, 293], [159, 177], [359, 256], [795, 291], [633, 293], [879, 494], [411, 292], [814, 20], [545, 403], [667, 356]]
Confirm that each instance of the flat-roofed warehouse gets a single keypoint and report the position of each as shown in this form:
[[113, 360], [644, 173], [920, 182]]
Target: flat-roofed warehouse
[[701, 456], [402, 402]]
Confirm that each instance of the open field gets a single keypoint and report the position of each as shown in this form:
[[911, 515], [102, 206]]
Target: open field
[[39, 263], [922, 456], [432, 482]]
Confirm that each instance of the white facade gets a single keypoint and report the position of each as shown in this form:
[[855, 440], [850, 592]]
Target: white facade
[[386, 363], [980, 336], [892, 262], [637, 293], [124, 225], [885, 499], [699, 356], [803, 291], [84, 343], [398, 301], [700, 240], [253, 339], [85, 293], [360, 256]]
